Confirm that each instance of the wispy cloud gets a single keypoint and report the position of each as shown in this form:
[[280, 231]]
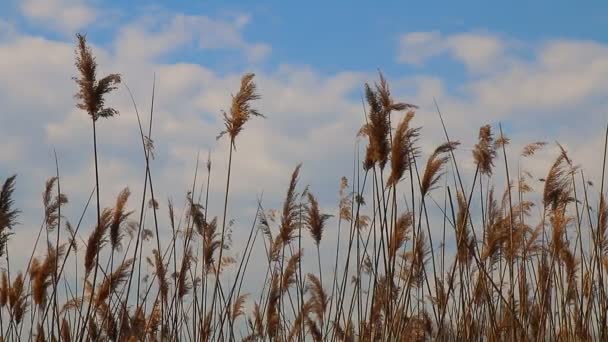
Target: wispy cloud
[[478, 51], [153, 36], [63, 15]]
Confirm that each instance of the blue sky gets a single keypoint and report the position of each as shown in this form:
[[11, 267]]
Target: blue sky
[[538, 67], [362, 35]]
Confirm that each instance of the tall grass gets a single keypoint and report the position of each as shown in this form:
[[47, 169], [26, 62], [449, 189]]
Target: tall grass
[[476, 265]]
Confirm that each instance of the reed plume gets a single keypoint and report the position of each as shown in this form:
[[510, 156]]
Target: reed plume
[[97, 240], [318, 298], [240, 109], [377, 130], [530, 149], [403, 150], [400, 234], [485, 150], [435, 163], [290, 210], [557, 183], [91, 92], [238, 307], [289, 275], [8, 215], [315, 220], [417, 261], [211, 244], [299, 322], [183, 285], [4, 290], [41, 273], [464, 242], [602, 226], [119, 217], [345, 201], [17, 299], [273, 323], [386, 100], [161, 275], [52, 204], [113, 280]]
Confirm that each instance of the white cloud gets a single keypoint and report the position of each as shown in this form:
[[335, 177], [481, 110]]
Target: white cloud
[[155, 36], [564, 75], [417, 47], [64, 15], [477, 51]]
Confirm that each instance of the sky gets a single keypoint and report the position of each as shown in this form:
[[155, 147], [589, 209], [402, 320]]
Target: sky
[[540, 69]]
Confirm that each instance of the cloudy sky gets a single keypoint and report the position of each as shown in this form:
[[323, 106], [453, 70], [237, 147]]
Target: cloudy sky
[[541, 70]]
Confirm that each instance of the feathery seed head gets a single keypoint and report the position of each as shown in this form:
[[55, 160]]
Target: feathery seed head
[[485, 150], [91, 92], [240, 109]]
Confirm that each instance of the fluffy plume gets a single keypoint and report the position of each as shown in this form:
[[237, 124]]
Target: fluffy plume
[[110, 283], [119, 217], [602, 226], [183, 285], [402, 150], [345, 201], [72, 235], [290, 210], [378, 125], [318, 297], [17, 298], [441, 298], [4, 290], [97, 240], [91, 92], [435, 163], [464, 242], [485, 150], [314, 330], [417, 260], [72, 304], [530, 149], [241, 110], [8, 215], [41, 274], [51, 205], [153, 320], [315, 221], [289, 275], [377, 130], [497, 231], [257, 323], [385, 99], [299, 322], [161, 275], [211, 244], [557, 183], [345, 335], [238, 307], [400, 234], [273, 322]]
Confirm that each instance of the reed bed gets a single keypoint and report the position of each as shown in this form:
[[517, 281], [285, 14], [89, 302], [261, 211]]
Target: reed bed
[[418, 255]]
